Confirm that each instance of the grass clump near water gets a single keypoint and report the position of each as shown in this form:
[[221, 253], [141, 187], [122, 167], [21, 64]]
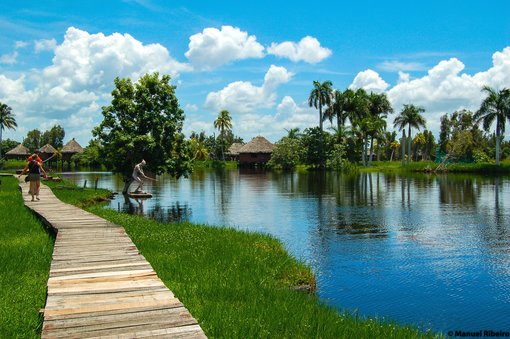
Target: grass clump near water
[[25, 256], [240, 284]]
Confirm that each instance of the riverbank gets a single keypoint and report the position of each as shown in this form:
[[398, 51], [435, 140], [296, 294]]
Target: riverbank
[[25, 256], [237, 284], [432, 167]]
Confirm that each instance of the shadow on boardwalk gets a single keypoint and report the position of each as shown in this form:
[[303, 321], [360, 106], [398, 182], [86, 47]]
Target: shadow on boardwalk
[[99, 285]]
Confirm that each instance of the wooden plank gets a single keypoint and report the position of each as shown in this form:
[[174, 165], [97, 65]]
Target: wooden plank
[[99, 284]]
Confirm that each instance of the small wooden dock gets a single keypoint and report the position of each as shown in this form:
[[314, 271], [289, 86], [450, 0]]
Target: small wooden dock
[[99, 284]]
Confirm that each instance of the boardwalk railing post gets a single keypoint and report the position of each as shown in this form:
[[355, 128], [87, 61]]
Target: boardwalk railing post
[[95, 185]]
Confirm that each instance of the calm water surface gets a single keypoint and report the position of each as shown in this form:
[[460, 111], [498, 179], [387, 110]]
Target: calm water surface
[[423, 249]]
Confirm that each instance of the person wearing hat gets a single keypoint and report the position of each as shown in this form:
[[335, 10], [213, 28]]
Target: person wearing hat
[[138, 176]]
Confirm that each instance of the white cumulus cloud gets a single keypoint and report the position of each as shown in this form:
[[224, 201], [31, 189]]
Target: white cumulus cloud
[[45, 45], [244, 97], [444, 89], [307, 49], [213, 47], [80, 78], [370, 81]]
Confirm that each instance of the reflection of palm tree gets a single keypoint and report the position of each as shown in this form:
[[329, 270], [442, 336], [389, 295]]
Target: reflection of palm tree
[[223, 123], [6, 120], [495, 106], [409, 116]]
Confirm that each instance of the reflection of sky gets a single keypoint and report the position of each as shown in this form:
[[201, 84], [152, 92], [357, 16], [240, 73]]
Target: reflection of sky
[[430, 250]]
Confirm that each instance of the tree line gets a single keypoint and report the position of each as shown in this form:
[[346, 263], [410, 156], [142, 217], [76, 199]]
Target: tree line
[[144, 120], [360, 133]]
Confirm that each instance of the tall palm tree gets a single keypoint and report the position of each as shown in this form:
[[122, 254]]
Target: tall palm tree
[[320, 96], [496, 106], [337, 109], [379, 106], [223, 123], [409, 116], [6, 120]]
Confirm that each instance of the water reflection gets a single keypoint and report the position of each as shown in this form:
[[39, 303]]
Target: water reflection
[[383, 244]]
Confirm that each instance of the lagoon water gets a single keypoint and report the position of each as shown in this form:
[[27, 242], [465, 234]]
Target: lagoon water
[[431, 250]]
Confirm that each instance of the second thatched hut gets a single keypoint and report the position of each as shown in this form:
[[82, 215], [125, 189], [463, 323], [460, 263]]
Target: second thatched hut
[[257, 151]]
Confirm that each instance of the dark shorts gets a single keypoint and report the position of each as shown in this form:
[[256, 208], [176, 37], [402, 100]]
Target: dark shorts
[[34, 176]]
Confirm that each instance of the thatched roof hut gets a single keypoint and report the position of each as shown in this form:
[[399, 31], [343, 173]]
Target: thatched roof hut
[[233, 150], [46, 151], [19, 152], [70, 149], [257, 151]]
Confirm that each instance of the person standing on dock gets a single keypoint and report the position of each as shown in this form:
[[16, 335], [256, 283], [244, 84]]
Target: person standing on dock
[[138, 176], [34, 169]]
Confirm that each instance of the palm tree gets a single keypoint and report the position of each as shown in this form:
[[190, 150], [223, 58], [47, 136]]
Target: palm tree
[[293, 133], [320, 96], [223, 123], [6, 120], [409, 116], [496, 106], [337, 109], [379, 106]]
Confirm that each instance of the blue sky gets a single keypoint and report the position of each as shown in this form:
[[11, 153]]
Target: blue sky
[[58, 58]]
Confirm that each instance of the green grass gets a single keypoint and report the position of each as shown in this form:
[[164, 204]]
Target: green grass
[[239, 284], [78, 196], [427, 166], [227, 164], [25, 257]]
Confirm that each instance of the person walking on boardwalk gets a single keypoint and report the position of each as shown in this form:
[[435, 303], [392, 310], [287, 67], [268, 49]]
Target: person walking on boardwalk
[[138, 176], [34, 169]]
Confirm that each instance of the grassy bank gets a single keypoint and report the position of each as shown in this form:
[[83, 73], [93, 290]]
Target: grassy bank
[[238, 284], [25, 257], [427, 166]]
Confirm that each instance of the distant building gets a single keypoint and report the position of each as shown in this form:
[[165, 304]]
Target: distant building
[[257, 151], [70, 149], [233, 151], [19, 152], [46, 152]]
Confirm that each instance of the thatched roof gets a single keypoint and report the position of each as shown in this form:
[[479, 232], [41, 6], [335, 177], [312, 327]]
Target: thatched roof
[[72, 147], [48, 149], [18, 150], [234, 148], [257, 145]]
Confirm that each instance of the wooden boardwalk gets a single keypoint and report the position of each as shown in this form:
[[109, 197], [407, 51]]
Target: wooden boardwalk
[[99, 285]]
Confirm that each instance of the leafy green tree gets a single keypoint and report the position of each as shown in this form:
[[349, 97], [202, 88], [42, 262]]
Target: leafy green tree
[[409, 116], [287, 153], [223, 123], [496, 106], [33, 140], [461, 146], [144, 121], [55, 136], [198, 149], [315, 152], [444, 132], [91, 155], [394, 145], [7, 120]]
